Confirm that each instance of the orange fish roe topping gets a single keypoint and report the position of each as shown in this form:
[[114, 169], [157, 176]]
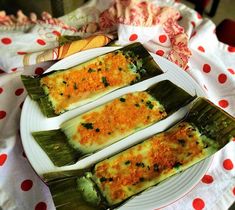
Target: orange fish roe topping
[[119, 117], [81, 82], [136, 168]]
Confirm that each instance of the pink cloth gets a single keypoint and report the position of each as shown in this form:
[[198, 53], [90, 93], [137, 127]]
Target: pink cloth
[[212, 65]]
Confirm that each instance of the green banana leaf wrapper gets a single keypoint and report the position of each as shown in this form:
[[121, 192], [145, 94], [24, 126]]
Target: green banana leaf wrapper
[[113, 181], [111, 122], [59, 91]]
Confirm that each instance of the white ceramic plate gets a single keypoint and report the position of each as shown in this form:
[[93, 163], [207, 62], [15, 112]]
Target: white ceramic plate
[[161, 195]]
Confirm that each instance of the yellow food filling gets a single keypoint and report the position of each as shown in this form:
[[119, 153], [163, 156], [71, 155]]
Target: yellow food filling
[[113, 121], [146, 164], [105, 73]]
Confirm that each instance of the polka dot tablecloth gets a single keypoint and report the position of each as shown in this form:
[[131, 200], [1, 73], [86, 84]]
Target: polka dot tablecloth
[[175, 32]]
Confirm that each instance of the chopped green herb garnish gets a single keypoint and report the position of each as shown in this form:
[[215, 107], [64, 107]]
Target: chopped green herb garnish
[[177, 165], [181, 142], [141, 179], [181, 125], [103, 179], [75, 86], [87, 125], [97, 130], [105, 82], [122, 99], [149, 104], [127, 162], [156, 167], [189, 153], [91, 70], [140, 164]]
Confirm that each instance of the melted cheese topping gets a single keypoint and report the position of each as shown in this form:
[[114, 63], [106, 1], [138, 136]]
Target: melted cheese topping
[[113, 121], [148, 163], [108, 72]]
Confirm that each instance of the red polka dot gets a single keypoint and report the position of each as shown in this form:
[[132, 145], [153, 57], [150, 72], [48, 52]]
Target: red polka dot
[[6, 40], [223, 103], [231, 49], [193, 34], [193, 24], [26, 185], [222, 78], [3, 158], [14, 69], [21, 53], [2, 114], [41, 42], [162, 38], [41, 206], [234, 191], [57, 33], [206, 68], [133, 37], [1, 90], [198, 204], [19, 91], [208, 179], [65, 27], [231, 71], [143, 3], [228, 164], [39, 70], [199, 16], [200, 48], [160, 52]]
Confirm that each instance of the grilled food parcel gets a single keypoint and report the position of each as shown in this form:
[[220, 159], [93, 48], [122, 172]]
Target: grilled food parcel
[[111, 182], [111, 122], [59, 91]]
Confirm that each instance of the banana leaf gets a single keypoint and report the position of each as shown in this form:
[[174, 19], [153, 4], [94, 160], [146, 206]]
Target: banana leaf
[[59, 91], [111, 122], [104, 185]]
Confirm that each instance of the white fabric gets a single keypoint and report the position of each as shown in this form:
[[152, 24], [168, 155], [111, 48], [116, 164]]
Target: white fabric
[[14, 167]]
